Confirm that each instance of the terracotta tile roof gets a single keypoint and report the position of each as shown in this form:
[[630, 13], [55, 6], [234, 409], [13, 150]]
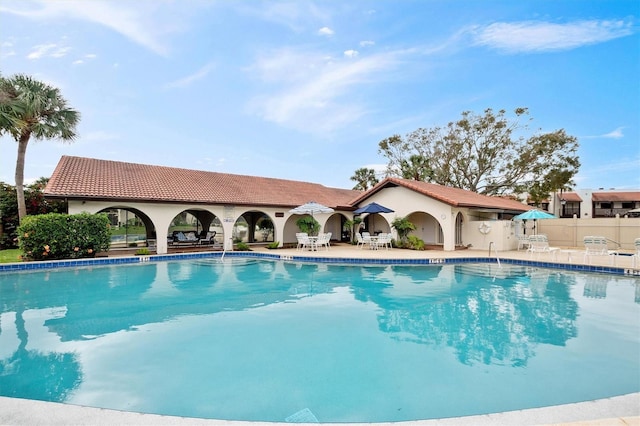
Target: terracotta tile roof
[[453, 196], [78, 177], [616, 196], [570, 196]]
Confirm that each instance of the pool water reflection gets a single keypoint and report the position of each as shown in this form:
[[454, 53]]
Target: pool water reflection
[[248, 339]]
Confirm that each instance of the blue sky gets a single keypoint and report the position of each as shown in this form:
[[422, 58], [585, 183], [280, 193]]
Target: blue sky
[[305, 90]]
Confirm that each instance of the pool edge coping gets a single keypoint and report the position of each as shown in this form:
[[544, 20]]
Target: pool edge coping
[[623, 409], [121, 260]]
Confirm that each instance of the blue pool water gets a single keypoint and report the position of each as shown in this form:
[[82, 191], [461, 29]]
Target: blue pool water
[[247, 339]]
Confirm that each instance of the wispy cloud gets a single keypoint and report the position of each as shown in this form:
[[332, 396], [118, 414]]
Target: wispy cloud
[[350, 53], [297, 15], [133, 20], [7, 49], [316, 98], [537, 36], [188, 80], [52, 50], [614, 134]]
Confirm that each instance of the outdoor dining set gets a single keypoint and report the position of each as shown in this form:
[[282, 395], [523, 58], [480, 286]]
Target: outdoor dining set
[[314, 243]]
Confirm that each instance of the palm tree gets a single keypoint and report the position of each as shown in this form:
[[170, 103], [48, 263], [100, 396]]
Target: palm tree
[[31, 108], [365, 178], [9, 107]]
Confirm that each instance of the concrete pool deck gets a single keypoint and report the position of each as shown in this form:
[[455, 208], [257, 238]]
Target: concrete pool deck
[[620, 410]]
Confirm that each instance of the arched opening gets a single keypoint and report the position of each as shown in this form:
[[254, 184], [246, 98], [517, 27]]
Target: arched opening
[[458, 236], [254, 227], [130, 228], [192, 228], [428, 229], [375, 224]]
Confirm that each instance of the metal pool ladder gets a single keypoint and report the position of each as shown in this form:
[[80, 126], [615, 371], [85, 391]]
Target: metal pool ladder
[[496, 253]]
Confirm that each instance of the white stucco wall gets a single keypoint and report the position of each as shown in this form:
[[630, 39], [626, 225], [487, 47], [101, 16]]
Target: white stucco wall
[[162, 214]]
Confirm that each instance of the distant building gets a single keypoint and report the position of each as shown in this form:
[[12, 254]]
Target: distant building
[[589, 203]]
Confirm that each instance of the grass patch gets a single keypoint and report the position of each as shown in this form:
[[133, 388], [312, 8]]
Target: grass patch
[[10, 256]]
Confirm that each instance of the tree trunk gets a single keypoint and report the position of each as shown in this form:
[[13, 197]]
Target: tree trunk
[[22, 150]]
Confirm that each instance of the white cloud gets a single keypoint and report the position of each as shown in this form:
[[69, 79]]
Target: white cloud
[[366, 43], [40, 51], [615, 134], [296, 15], [134, 20], [51, 50], [536, 36], [351, 53], [188, 80], [316, 97], [326, 31], [6, 49]]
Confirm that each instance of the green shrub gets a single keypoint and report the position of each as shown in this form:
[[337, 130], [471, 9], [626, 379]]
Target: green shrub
[[242, 247], [273, 245], [143, 252], [415, 243], [62, 236], [308, 224], [402, 226]]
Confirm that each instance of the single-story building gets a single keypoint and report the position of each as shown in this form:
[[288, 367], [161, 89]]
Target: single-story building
[[257, 209]]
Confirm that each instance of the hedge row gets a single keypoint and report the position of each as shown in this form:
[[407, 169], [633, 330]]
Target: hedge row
[[63, 236]]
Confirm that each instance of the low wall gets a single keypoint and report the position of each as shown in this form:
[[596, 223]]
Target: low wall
[[570, 232], [499, 232]]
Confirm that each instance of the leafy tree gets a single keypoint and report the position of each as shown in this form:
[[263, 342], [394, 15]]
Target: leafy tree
[[484, 154], [10, 109], [365, 178], [33, 109], [35, 202], [416, 167]]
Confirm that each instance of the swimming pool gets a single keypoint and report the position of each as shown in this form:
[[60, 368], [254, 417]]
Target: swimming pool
[[250, 339]]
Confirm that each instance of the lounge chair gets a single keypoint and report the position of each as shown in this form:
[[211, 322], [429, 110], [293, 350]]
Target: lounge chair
[[597, 246], [523, 242], [540, 244]]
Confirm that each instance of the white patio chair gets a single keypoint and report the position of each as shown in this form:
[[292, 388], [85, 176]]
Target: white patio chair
[[322, 241], [303, 240], [384, 240], [540, 244], [366, 239], [636, 256], [359, 240], [597, 246]]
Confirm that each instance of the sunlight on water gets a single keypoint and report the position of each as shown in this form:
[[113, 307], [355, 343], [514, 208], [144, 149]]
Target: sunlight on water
[[270, 340]]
